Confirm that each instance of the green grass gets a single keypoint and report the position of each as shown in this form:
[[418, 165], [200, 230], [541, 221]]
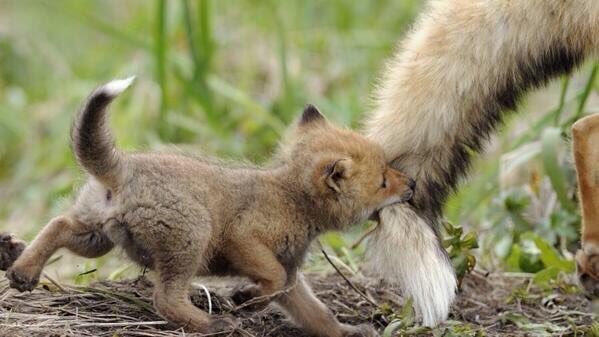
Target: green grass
[[226, 78]]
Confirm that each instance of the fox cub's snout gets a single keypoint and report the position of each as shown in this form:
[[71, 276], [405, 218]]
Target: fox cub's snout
[[400, 184]]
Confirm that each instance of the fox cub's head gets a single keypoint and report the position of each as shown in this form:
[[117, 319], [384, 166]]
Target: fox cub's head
[[344, 169]]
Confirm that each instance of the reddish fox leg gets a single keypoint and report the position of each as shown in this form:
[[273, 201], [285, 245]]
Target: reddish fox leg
[[585, 136]]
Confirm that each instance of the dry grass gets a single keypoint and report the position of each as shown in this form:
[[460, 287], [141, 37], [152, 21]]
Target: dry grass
[[124, 309]]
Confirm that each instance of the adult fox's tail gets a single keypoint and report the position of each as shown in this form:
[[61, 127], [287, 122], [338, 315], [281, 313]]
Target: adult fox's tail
[[92, 142], [462, 67]]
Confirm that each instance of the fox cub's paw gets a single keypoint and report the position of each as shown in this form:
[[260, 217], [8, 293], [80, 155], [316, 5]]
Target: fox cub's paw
[[10, 249], [249, 292], [362, 330], [587, 268], [21, 280], [222, 323], [244, 292]]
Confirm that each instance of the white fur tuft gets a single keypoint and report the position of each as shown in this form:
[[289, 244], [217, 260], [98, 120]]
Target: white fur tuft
[[404, 250], [115, 87]]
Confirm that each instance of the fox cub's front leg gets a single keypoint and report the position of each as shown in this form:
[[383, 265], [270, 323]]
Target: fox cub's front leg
[[311, 314], [585, 143]]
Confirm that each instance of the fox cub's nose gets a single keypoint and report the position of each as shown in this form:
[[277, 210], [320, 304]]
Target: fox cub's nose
[[411, 183], [407, 195]]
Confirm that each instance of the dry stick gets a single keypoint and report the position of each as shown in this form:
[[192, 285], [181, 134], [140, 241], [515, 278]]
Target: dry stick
[[364, 236], [218, 333], [54, 282], [265, 298], [203, 287], [326, 256], [119, 324], [243, 332]]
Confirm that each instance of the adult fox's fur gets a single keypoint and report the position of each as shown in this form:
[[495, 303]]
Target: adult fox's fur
[[464, 65], [183, 216]]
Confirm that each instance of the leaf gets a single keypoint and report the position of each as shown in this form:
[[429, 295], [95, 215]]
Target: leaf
[[503, 246], [516, 200], [529, 256], [519, 156], [536, 329], [543, 277], [351, 261], [530, 262], [118, 273], [334, 240], [585, 93], [392, 327], [551, 139], [469, 241], [87, 275], [550, 256], [254, 110], [460, 264], [407, 313]]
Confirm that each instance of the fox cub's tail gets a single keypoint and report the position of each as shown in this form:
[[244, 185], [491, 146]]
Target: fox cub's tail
[[93, 144]]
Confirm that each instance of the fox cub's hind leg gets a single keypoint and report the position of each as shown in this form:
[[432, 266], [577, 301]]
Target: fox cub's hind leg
[[171, 300], [176, 267], [585, 142], [60, 232], [10, 249]]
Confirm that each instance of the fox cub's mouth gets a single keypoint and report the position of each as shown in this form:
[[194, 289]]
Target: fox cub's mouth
[[405, 197], [408, 194]]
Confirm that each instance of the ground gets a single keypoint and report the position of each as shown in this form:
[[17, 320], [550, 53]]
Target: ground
[[490, 305]]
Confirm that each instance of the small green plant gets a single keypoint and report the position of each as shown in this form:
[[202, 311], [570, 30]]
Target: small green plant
[[459, 248], [403, 323], [457, 329], [593, 330], [521, 295]]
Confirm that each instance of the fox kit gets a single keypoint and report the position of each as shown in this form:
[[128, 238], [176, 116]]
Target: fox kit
[[465, 63], [184, 216]]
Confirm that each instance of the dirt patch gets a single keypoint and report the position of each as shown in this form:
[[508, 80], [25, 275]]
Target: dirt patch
[[499, 305]]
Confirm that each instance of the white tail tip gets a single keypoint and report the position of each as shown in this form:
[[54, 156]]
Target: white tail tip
[[115, 87]]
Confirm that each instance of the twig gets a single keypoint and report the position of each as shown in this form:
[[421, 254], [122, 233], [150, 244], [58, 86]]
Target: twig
[[243, 332], [88, 272], [483, 273], [265, 298], [363, 236], [98, 325], [207, 296], [513, 275], [54, 282], [473, 301], [326, 256], [52, 260]]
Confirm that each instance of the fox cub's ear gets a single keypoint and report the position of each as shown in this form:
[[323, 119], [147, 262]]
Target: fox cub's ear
[[334, 172], [311, 115]]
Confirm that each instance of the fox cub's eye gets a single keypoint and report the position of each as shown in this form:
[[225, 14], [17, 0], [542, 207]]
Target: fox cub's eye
[[384, 183]]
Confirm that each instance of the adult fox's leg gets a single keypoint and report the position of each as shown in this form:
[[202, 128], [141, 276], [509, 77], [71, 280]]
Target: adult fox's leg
[[585, 147]]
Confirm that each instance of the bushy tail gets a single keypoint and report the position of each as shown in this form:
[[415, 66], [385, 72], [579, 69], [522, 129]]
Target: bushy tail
[[92, 141]]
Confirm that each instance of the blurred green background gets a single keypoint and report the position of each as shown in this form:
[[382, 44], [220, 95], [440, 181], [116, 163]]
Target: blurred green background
[[226, 77]]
